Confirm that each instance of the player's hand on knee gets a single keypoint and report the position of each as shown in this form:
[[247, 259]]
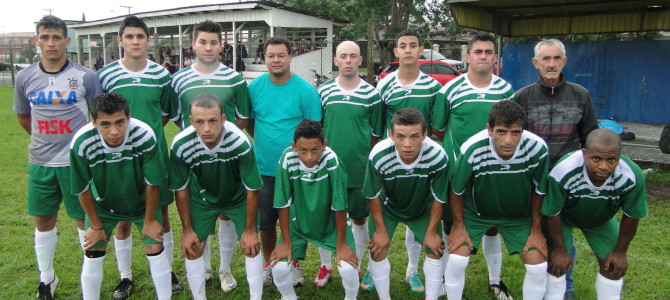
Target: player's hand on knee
[[537, 241], [345, 253], [458, 238], [250, 243], [153, 230], [189, 244], [616, 264], [93, 237], [559, 263], [434, 242], [283, 250], [379, 243]]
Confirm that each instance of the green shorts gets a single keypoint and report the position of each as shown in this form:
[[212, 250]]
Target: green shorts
[[602, 239], [109, 225], [419, 226], [358, 205], [299, 243], [514, 232], [203, 218], [166, 196], [47, 187]]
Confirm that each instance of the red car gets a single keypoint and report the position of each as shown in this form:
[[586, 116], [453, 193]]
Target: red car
[[441, 71]]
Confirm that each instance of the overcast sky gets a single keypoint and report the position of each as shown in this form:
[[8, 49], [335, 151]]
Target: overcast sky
[[20, 15]]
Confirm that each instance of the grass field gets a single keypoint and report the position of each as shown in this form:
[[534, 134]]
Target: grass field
[[646, 279]]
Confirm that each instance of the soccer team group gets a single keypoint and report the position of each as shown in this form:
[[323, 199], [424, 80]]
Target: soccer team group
[[463, 166]]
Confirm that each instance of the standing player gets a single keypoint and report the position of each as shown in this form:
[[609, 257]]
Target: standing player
[[51, 101], [409, 87], [559, 111], [146, 87], [213, 171], [406, 181], [280, 101], [352, 123], [116, 172], [467, 102], [311, 191], [209, 75], [500, 182], [586, 190]]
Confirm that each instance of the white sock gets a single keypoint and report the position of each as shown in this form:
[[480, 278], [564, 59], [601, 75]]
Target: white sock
[[283, 279], [454, 275], [492, 248], [160, 274], [45, 250], [535, 281], [207, 255], [380, 276], [195, 274], [361, 236], [168, 244], [254, 268], [81, 233], [413, 252], [123, 249], [434, 270], [350, 280], [608, 289], [227, 239], [445, 255], [555, 287], [91, 277], [325, 258]]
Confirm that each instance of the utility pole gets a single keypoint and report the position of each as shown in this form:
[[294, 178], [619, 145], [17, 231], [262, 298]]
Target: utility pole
[[126, 6], [48, 9], [11, 57]]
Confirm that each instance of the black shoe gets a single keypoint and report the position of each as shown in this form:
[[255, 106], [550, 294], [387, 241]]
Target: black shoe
[[500, 291], [123, 289], [176, 285], [46, 291]]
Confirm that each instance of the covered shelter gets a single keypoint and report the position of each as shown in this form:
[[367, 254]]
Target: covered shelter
[[244, 24]]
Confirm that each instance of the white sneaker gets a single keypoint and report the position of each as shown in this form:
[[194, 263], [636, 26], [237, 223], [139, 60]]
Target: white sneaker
[[46, 291], [267, 275], [298, 279], [228, 282], [208, 275]]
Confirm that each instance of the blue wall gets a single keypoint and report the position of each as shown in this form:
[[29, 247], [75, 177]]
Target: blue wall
[[629, 81]]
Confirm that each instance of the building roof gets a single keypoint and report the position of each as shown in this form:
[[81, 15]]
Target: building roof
[[540, 17]]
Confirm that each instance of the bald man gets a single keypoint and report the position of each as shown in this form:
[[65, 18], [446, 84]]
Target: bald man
[[586, 190], [353, 121]]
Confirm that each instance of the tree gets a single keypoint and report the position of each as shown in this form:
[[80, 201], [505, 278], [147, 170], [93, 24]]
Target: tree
[[28, 52]]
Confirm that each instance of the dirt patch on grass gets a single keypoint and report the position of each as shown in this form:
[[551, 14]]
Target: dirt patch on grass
[[658, 190]]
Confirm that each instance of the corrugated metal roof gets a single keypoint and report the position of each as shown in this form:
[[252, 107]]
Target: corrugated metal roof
[[541, 17]]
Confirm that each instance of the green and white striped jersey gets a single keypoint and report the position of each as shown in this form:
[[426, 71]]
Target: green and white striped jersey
[[217, 177], [225, 83], [350, 119], [117, 176], [581, 204], [311, 194], [494, 188], [407, 190], [464, 109], [421, 94]]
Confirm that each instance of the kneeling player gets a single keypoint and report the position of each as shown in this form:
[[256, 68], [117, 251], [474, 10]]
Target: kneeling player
[[311, 195], [116, 172], [213, 172], [586, 190]]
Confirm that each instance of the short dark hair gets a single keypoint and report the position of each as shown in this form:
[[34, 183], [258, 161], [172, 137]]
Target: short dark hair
[[308, 129], [482, 37], [278, 41], [408, 116], [408, 32], [603, 137], [109, 103], [207, 26], [506, 113], [51, 22], [207, 100], [133, 21]]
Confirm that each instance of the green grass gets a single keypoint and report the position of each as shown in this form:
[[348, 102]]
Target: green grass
[[646, 279]]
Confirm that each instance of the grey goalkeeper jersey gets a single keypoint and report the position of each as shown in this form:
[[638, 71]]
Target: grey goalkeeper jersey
[[58, 105]]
